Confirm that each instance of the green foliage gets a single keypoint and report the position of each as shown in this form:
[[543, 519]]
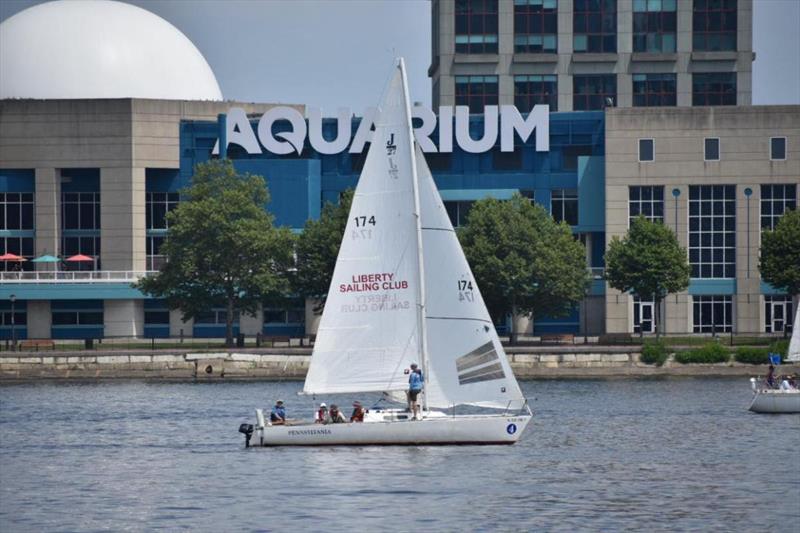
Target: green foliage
[[222, 249], [647, 262], [654, 353], [317, 249], [752, 356], [780, 253], [522, 260], [710, 353], [781, 347]]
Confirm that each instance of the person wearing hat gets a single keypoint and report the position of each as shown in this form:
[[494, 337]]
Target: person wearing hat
[[336, 415], [415, 384], [358, 412], [278, 415], [322, 414]]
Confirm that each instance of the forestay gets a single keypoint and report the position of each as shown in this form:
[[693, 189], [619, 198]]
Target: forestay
[[368, 334], [466, 362]]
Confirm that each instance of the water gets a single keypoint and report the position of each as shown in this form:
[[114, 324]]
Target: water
[[673, 454]]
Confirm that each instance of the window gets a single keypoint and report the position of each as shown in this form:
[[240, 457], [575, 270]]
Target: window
[[284, 316], [777, 148], [157, 206], [507, 160], [537, 89], [564, 206], [156, 318], [647, 201], [77, 318], [654, 90], [777, 313], [458, 211], [716, 88], [476, 92], [18, 318], [714, 25], [571, 155], [647, 150], [80, 211], [16, 211], [535, 26], [712, 231], [476, 26], [655, 25], [644, 319], [154, 258], [215, 316], [712, 314], [594, 26], [711, 149], [775, 201], [594, 91]]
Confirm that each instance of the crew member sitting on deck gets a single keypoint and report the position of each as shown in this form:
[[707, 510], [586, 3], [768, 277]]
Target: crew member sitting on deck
[[322, 414], [336, 416], [358, 413], [278, 415]]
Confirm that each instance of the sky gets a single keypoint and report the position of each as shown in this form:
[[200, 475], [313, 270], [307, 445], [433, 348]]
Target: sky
[[338, 53]]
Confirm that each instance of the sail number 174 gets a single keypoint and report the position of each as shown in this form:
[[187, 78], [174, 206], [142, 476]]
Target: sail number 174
[[465, 293]]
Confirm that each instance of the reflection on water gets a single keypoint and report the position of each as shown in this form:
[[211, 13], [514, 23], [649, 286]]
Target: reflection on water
[[600, 455]]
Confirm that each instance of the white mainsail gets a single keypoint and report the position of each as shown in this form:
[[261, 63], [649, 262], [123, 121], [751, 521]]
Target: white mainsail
[[372, 327], [368, 334], [794, 343], [467, 363]]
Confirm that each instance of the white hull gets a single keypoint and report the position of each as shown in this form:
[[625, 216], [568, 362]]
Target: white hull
[[776, 401], [433, 429]]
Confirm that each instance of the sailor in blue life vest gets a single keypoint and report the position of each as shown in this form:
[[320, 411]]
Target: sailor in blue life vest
[[278, 415], [415, 384]]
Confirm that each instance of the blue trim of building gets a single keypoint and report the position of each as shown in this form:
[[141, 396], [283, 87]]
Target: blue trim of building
[[17, 180], [712, 287], [769, 290], [70, 291]]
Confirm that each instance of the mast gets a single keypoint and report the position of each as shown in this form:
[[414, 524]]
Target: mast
[[421, 325]]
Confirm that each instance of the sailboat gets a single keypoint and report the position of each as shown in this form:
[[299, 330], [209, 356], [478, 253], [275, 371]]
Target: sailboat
[[766, 400], [402, 292]]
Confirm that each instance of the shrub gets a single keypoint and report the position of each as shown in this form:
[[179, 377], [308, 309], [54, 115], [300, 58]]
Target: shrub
[[752, 356], [710, 353], [781, 347], [654, 353]]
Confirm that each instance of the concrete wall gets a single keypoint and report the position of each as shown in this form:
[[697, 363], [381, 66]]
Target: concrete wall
[[564, 64], [679, 134]]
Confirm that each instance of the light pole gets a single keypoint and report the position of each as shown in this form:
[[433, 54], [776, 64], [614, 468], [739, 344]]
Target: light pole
[[13, 299]]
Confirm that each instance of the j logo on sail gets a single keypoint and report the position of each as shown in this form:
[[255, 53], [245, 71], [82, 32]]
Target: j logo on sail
[[391, 148]]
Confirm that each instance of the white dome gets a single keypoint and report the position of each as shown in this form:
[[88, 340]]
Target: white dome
[[99, 49]]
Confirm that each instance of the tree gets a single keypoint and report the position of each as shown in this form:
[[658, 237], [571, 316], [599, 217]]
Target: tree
[[524, 262], [647, 262], [780, 254], [318, 248], [222, 248]]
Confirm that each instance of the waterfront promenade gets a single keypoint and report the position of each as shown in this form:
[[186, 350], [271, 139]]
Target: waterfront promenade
[[283, 363]]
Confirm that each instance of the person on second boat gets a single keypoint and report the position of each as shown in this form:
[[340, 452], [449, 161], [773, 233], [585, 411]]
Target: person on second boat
[[358, 413], [415, 384], [336, 416], [322, 414], [278, 415], [771, 377]]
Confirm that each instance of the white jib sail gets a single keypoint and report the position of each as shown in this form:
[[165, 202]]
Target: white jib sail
[[368, 334], [466, 362], [794, 344]]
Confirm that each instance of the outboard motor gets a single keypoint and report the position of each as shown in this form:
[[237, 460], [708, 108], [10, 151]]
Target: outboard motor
[[247, 429]]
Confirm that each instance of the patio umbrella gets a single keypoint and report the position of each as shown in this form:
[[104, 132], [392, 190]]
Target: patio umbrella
[[46, 259], [79, 258], [11, 257]]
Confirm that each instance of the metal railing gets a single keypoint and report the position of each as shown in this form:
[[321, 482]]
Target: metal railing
[[65, 276]]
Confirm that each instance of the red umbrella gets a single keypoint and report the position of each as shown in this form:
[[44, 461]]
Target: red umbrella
[[79, 258], [11, 257]]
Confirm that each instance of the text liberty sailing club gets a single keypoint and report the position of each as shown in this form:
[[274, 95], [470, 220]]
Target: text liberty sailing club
[[373, 282]]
